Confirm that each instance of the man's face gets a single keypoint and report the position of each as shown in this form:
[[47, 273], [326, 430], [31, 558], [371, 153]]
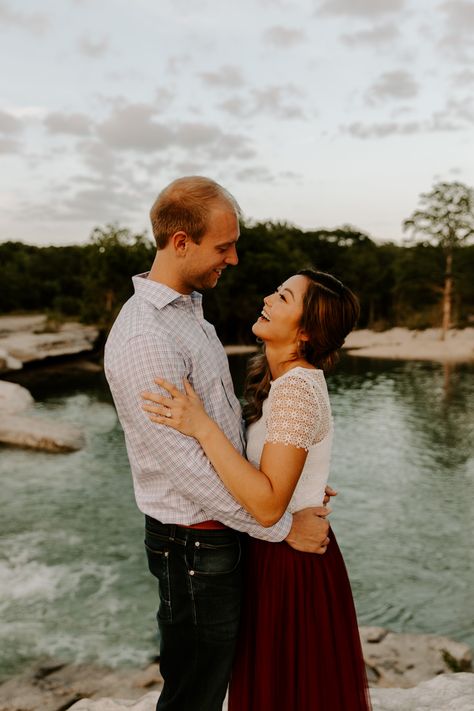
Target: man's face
[[205, 261]]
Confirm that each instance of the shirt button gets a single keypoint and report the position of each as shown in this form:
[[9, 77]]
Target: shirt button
[[191, 572], [197, 544]]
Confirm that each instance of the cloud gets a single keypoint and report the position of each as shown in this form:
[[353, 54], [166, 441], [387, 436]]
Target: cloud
[[35, 22], [397, 84], [361, 8], [272, 99], [93, 48], [275, 100], [133, 127], [255, 173], [464, 78], [381, 130], [283, 37], [9, 145], [441, 121], [75, 124], [9, 123], [459, 24], [98, 157], [377, 35], [226, 76], [459, 15]]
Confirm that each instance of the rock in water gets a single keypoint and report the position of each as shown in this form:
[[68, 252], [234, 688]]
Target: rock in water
[[36, 433], [33, 432], [14, 398]]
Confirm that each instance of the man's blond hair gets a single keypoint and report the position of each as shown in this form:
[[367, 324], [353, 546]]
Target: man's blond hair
[[185, 205]]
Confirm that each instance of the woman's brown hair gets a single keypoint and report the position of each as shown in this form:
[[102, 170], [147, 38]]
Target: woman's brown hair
[[330, 312]]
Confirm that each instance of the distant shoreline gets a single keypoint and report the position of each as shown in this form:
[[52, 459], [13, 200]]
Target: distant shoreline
[[401, 343], [26, 339], [405, 344]]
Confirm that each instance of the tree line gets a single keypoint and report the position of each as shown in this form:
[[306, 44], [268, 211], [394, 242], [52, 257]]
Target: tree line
[[397, 284]]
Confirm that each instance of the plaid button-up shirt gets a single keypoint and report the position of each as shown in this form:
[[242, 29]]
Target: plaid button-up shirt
[[160, 332]]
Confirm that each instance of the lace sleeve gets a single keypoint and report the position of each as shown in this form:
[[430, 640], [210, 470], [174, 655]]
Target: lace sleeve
[[297, 416]]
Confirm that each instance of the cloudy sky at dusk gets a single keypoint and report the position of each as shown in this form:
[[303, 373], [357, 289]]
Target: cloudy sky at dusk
[[316, 112]]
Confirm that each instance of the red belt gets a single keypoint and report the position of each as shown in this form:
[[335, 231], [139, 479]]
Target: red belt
[[209, 525]]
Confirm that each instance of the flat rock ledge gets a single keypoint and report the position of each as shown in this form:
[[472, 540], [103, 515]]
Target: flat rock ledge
[[395, 659], [25, 339], [406, 344], [448, 692], [29, 431], [430, 665]]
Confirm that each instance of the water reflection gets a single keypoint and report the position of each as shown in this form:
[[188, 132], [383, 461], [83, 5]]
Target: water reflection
[[402, 462]]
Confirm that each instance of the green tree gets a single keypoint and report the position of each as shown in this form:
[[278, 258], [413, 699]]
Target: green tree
[[113, 255], [447, 218]]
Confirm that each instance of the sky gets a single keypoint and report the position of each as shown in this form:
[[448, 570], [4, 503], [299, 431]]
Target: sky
[[319, 113]]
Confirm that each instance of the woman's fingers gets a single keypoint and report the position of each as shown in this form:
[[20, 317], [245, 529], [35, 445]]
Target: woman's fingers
[[174, 392], [155, 397], [159, 419], [157, 409], [188, 387]]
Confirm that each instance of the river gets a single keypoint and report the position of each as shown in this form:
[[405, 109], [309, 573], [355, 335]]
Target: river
[[73, 576]]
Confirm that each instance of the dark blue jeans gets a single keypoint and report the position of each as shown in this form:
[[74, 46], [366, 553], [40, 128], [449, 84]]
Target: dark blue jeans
[[199, 575]]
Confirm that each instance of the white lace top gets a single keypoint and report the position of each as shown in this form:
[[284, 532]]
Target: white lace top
[[297, 411]]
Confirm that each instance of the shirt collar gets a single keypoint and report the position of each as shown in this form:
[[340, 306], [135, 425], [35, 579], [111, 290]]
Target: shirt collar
[[161, 295]]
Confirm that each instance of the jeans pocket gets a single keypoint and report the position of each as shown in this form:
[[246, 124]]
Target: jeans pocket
[[158, 563], [216, 559]]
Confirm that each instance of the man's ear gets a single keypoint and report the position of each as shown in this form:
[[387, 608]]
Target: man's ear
[[180, 242]]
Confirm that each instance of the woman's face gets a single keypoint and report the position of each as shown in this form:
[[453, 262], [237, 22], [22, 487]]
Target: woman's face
[[280, 319]]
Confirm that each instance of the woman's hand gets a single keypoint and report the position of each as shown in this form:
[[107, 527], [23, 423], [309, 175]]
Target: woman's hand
[[181, 411]]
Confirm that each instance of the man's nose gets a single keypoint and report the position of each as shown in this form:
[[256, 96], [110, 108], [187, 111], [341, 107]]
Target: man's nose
[[231, 257]]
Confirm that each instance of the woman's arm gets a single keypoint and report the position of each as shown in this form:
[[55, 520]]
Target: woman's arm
[[264, 492]]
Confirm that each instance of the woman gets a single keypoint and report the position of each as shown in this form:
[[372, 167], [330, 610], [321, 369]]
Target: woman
[[299, 646]]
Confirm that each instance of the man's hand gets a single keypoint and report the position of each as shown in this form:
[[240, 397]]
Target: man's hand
[[328, 492], [309, 530]]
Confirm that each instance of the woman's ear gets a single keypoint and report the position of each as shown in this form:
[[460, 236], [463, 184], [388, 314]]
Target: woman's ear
[[302, 335]]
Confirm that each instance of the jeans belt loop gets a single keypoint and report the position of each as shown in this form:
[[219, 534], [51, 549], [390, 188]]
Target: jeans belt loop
[[172, 533]]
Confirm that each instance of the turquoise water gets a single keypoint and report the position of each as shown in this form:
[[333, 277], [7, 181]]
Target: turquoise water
[[73, 577]]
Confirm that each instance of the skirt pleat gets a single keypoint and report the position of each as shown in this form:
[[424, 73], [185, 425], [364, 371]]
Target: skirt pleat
[[299, 647]]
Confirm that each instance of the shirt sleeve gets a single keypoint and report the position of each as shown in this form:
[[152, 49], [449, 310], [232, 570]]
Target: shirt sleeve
[[294, 414], [158, 448]]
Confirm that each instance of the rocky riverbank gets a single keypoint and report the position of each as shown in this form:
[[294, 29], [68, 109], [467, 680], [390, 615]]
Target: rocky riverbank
[[404, 344], [27, 339], [406, 672], [21, 427]]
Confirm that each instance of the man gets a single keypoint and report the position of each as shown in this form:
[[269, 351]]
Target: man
[[192, 522]]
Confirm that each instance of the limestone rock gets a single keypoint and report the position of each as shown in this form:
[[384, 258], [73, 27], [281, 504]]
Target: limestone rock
[[7, 362], [53, 685], [14, 398], [448, 692], [146, 703], [405, 344], [38, 433], [24, 339], [404, 660]]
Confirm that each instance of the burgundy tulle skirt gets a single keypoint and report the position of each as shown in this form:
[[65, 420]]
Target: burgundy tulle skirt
[[299, 646]]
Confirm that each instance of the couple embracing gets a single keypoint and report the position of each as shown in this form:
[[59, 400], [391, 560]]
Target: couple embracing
[[252, 585]]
